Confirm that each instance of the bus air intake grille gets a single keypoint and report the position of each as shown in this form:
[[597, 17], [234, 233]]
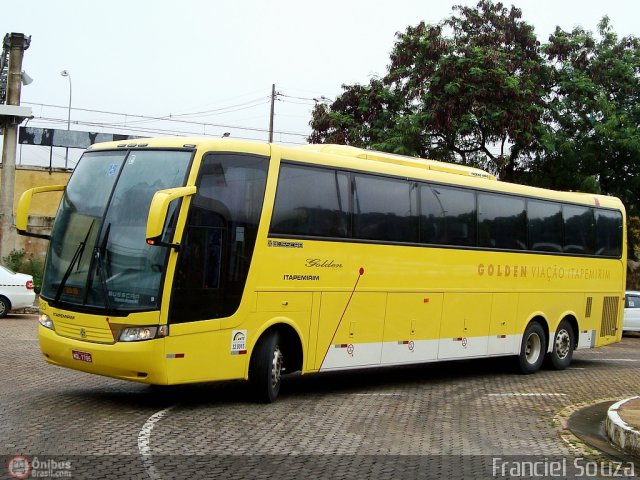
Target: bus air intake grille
[[609, 316], [587, 313], [86, 333]]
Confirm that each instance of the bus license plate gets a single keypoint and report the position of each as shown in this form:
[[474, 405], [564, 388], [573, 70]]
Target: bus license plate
[[82, 356]]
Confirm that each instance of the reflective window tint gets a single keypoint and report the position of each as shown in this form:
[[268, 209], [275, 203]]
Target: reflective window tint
[[448, 215], [325, 202], [545, 226], [219, 238], [579, 230], [608, 233], [385, 209], [311, 201], [501, 222]]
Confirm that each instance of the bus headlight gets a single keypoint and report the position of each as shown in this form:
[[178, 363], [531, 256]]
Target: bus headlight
[[46, 322], [138, 334]]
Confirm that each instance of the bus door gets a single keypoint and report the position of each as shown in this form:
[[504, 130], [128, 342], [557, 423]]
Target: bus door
[[219, 238]]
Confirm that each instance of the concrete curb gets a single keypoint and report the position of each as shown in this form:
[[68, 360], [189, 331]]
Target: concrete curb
[[619, 432]]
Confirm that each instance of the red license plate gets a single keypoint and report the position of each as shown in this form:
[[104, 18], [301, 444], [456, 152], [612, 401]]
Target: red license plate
[[82, 356]]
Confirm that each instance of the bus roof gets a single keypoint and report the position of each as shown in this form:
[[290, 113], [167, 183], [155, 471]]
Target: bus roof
[[399, 160], [359, 158]]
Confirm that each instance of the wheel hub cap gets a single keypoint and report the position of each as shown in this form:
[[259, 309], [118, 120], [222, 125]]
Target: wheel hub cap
[[563, 344], [276, 367], [532, 350]]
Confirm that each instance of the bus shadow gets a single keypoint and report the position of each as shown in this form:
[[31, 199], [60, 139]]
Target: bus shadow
[[155, 397], [296, 386], [385, 378]]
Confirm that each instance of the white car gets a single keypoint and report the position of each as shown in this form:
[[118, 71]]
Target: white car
[[631, 312], [16, 291]]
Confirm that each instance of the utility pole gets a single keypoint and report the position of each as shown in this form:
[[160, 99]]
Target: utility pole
[[12, 115], [273, 101]]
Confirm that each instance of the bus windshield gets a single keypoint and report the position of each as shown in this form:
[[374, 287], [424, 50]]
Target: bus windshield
[[98, 257]]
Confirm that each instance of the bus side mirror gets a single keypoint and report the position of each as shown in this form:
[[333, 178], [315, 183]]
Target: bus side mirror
[[158, 213], [24, 205]]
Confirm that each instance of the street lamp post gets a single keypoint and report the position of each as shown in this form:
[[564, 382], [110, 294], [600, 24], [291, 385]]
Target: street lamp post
[[65, 73]]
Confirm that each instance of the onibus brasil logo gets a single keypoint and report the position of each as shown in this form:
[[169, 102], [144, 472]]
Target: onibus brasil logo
[[20, 466]]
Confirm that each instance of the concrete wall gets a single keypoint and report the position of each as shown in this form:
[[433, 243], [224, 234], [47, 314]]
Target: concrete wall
[[28, 177], [43, 205]]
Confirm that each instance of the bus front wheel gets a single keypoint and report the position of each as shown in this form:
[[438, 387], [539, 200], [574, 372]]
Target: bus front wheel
[[532, 348], [563, 345], [265, 369]]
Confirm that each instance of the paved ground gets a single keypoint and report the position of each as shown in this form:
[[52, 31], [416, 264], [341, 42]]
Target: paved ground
[[450, 420]]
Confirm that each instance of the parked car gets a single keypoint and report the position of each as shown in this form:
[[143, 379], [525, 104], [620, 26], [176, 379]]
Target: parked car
[[631, 312], [16, 291]]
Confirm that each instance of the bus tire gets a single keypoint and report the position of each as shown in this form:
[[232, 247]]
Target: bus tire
[[265, 368], [532, 349], [564, 344]]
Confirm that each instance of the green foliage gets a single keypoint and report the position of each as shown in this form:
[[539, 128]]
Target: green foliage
[[20, 261], [14, 260], [592, 123], [633, 276], [633, 237], [453, 91], [479, 89]]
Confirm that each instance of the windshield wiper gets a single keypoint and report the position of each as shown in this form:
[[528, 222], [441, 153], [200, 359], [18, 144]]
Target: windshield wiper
[[76, 257], [99, 252]]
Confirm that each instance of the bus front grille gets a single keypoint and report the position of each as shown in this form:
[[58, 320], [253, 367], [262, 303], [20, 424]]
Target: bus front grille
[[88, 334]]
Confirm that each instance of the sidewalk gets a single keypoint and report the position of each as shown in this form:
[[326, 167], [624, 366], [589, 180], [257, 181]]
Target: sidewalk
[[623, 425]]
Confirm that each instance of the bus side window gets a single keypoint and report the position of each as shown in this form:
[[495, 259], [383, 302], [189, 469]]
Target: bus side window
[[501, 221], [311, 201], [608, 233], [544, 226], [579, 229], [385, 209], [448, 215]]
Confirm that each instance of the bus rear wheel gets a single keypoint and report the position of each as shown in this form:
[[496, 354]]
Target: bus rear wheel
[[265, 369], [532, 348], [564, 344]]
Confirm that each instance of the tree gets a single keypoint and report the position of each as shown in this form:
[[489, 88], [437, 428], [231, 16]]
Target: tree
[[592, 135], [362, 116], [453, 91], [592, 140]]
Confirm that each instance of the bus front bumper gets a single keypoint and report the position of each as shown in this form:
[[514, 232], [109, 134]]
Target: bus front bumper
[[136, 361]]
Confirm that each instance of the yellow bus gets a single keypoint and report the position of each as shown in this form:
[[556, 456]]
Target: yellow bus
[[174, 261]]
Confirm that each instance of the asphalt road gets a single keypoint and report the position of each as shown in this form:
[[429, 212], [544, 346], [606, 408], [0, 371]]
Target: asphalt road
[[470, 419]]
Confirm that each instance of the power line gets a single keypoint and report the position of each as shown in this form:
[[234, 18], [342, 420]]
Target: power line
[[184, 117], [150, 118], [297, 103], [160, 131], [297, 98], [171, 117]]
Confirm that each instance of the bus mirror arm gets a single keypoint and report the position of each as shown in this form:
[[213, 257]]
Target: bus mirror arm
[[24, 205], [159, 243], [158, 214]]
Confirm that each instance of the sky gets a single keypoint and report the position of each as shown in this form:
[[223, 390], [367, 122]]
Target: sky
[[207, 67]]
